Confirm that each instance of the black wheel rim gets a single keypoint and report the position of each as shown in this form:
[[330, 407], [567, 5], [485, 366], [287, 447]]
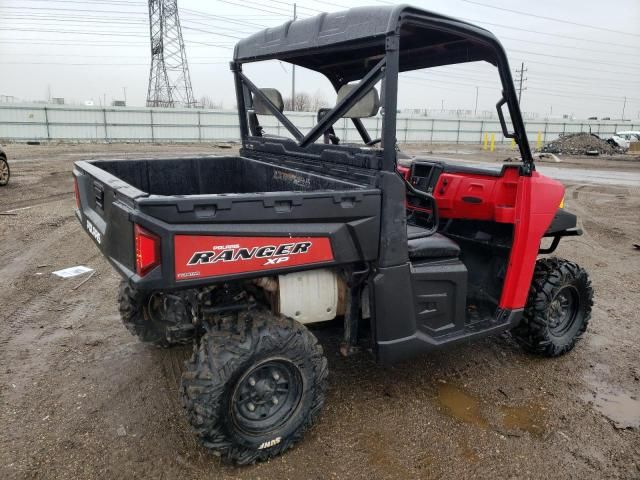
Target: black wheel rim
[[266, 396], [563, 311]]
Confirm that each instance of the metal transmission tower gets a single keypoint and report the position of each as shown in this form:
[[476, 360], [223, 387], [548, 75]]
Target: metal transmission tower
[[169, 79]]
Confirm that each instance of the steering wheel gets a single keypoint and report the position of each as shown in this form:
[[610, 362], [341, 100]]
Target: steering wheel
[[373, 142], [435, 217]]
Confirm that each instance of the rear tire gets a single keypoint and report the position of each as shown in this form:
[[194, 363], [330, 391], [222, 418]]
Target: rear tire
[[146, 316], [558, 309], [5, 171], [254, 384]]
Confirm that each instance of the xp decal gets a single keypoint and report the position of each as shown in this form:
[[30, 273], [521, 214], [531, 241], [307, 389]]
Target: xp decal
[[198, 256]]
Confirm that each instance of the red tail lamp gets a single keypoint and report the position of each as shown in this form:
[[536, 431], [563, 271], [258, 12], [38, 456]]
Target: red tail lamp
[[147, 250], [75, 187]]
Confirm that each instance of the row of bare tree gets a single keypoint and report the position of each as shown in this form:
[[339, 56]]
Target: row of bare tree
[[304, 102]]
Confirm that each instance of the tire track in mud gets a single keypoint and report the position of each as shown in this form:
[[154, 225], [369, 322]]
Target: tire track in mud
[[596, 232], [35, 201]]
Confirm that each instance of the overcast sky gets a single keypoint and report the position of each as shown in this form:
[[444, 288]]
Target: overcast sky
[[582, 57]]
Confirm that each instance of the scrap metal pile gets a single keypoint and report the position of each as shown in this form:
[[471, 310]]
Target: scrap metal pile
[[581, 144]]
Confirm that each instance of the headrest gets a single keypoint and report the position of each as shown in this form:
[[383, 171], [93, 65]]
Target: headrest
[[367, 106], [272, 94]]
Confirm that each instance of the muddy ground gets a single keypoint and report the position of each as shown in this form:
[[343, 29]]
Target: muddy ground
[[81, 398]]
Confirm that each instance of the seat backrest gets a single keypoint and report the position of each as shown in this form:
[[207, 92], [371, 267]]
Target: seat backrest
[[367, 106], [260, 107]]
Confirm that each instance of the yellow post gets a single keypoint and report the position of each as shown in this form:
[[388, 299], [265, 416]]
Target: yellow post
[[513, 144], [493, 142], [486, 141], [539, 140]]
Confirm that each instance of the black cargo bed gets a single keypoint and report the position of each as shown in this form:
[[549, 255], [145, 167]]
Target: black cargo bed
[[216, 175], [227, 196]]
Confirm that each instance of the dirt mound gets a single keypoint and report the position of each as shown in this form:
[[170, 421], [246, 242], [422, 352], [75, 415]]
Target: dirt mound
[[580, 144]]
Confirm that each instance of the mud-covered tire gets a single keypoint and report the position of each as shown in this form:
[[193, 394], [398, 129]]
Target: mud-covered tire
[[5, 171], [134, 306], [558, 309], [230, 353]]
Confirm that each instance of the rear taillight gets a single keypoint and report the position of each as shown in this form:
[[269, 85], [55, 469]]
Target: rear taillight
[[75, 187], [147, 250]]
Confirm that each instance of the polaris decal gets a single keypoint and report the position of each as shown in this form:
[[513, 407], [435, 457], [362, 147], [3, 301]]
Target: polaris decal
[[95, 233], [198, 256]]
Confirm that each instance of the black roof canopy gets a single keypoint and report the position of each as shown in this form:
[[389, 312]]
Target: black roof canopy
[[345, 45]]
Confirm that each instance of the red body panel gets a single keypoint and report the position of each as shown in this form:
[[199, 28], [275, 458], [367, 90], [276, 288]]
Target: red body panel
[[198, 256], [537, 202], [477, 197], [529, 203]]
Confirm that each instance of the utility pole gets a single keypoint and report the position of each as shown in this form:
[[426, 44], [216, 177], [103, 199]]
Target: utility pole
[[475, 111], [624, 106], [124, 91], [293, 69], [521, 72]]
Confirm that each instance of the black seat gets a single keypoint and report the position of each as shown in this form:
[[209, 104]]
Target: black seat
[[422, 245]]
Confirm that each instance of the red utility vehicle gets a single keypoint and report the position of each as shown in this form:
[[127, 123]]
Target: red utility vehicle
[[240, 253]]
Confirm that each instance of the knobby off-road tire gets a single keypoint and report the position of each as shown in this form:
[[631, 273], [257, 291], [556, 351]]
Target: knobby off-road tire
[[558, 309], [144, 319], [238, 367], [5, 171]]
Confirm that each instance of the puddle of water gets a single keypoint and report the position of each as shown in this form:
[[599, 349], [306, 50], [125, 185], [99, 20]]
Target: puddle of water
[[614, 403], [529, 418], [460, 405]]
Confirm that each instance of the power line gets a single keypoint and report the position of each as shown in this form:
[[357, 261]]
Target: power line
[[102, 64], [252, 7], [528, 14], [290, 5], [591, 50], [538, 32], [562, 57]]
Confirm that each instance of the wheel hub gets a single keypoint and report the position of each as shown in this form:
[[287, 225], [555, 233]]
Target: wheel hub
[[266, 396], [563, 311]]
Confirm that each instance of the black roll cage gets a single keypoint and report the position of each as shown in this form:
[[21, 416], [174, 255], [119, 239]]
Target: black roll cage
[[387, 69]]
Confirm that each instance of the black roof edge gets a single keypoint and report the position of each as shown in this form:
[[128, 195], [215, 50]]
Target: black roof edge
[[343, 27]]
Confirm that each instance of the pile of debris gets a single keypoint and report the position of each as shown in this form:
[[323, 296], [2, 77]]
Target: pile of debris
[[580, 144]]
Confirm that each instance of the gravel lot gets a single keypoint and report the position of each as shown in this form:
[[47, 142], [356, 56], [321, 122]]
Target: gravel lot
[[81, 398]]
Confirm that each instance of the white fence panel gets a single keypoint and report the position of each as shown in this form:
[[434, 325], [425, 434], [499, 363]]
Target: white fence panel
[[34, 122]]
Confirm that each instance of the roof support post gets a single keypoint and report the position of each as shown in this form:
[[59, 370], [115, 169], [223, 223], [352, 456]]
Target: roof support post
[[390, 99], [236, 68]]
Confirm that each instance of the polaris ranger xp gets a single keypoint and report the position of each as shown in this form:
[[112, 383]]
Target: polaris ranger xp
[[240, 253]]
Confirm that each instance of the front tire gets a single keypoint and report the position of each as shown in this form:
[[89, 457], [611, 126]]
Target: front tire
[[254, 384], [5, 172], [558, 309]]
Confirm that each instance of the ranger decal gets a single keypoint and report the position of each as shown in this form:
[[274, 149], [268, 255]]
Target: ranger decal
[[199, 256]]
